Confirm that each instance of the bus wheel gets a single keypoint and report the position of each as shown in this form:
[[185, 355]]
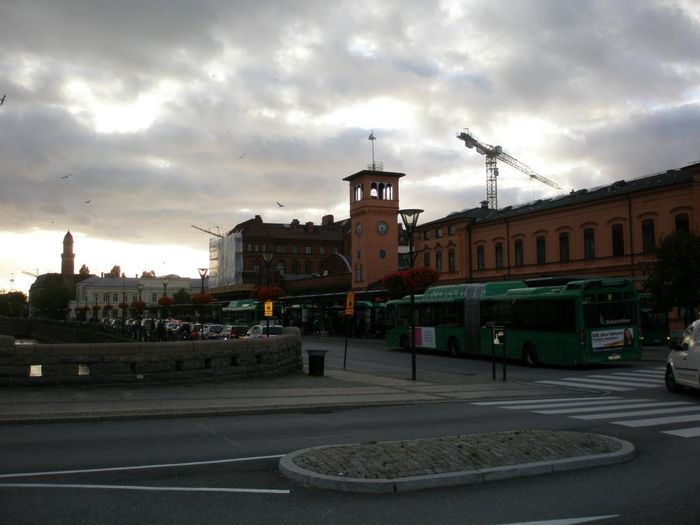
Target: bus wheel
[[530, 355], [403, 342], [453, 347]]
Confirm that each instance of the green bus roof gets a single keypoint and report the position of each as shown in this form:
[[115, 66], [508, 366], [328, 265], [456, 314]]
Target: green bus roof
[[240, 305]]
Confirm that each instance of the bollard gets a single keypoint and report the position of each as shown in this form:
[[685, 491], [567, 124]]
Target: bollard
[[316, 361]]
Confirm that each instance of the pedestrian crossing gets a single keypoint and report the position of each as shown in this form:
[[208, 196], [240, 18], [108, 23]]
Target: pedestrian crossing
[[631, 413], [613, 381]]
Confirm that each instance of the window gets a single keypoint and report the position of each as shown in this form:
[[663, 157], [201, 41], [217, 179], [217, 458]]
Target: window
[[295, 249], [541, 254], [154, 297], [682, 222], [564, 247], [618, 240], [589, 244], [480, 261], [499, 255], [115, 298], [519, 252], [322, 250], [358, 273], [105, 297], [308, 267], [438, 233], [296, 269], [307, 250], [357, 192], [250, 247], [438, 261], [450, 260], [648, 236], [450, 230], [426, 259], [280, 248]]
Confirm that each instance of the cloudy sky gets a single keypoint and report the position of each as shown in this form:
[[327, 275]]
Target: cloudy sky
[[127, 121]]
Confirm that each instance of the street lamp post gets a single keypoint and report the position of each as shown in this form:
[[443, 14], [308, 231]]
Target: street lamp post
[[165, 281], [410, 219], [202, 274], [267, 257]]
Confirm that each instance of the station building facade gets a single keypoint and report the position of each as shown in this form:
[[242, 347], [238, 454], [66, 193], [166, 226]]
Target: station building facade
[[612, 230]]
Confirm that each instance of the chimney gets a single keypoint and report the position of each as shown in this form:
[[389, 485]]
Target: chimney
[[327, 220], [484, 205], [310, 226]]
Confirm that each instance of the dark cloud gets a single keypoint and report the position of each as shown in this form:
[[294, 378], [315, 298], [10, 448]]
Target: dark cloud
[[227, 107]]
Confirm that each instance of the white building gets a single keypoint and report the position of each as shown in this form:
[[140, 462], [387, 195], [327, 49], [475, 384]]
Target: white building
[[110, 292]]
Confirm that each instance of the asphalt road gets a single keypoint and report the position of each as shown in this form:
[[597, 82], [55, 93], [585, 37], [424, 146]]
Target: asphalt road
[[224, 469]]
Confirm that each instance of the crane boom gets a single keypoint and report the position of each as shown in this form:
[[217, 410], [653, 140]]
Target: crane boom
[[207, 231], [31, 274], [493, 153]]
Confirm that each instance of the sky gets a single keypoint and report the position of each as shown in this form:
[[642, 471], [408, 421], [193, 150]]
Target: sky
[[127, 122]]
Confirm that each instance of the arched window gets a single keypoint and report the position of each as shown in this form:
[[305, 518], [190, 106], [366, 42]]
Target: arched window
[[499, 255], [357, 192], [480, 260], [438, 261], [618, 240], [389, 192], [519, 252], [308, 267], [564, 247], [589, 244], [450, 260], [682, 222], [296, 269], [648, 236], [373, 191], [541, 250]]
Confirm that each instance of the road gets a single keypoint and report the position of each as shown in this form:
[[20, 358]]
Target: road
[[223, 469]]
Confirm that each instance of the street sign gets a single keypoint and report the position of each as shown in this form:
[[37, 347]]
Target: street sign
[[350, 303], [268, 308]]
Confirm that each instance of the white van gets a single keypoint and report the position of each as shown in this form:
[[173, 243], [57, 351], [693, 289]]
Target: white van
[[683, 363], [260, 330]]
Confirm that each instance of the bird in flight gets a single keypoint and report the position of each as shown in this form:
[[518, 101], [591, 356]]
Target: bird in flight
[[88, 201], [280, 205], [66, 176], [2, 100]]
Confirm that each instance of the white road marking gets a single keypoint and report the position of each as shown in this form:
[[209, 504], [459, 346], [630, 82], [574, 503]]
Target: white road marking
[[609, 407], [138, 467], [684, 432], [137, 487], [550, 400], [589, 402], [566, 521], [586, 385], [654, 412], [657, 421]]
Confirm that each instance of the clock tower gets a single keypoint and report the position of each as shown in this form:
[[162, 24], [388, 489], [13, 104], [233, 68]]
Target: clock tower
[[374, 206]]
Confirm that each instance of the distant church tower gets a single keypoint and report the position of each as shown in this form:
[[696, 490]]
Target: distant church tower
[[68, 261], [374, 206]]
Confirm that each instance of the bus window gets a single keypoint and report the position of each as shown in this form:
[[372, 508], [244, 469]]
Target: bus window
[[606, 314]]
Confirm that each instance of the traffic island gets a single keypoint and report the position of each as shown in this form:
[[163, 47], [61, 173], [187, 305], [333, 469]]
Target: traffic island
[[396, 466]]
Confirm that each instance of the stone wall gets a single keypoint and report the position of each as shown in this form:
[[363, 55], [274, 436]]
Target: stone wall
[[112, 363]]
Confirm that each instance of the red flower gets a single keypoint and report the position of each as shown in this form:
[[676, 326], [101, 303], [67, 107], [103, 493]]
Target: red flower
[[202, 298], [271, 293], [166, 300]]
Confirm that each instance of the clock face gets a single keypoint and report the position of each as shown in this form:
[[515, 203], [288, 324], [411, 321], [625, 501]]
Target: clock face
[[382, 227], [358, 229]]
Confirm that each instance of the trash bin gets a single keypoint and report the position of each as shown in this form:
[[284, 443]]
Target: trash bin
[[316, 361]]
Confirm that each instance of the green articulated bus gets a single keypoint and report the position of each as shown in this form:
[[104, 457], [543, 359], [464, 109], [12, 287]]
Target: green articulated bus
[[654, 322], [580, 322]]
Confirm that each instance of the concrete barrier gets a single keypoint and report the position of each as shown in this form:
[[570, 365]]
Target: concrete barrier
[[110, 363]]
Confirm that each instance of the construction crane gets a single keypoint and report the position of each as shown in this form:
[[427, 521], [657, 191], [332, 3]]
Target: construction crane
[[493, 153], [31, 274], [207, 231]]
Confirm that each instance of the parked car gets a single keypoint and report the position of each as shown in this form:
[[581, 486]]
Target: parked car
[[212, 331], [683, 363], [259, 330], [233, 331]]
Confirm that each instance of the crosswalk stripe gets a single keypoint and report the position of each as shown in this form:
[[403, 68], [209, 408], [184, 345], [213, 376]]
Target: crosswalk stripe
[[589, 402], [605, 381], [650, 375], [586, 385], [684, 432], [654, 412], [580, 410], [526, 401], [637, 423], [624, 380]]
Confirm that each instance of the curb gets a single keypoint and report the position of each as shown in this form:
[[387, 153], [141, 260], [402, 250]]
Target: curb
[[295, 473]]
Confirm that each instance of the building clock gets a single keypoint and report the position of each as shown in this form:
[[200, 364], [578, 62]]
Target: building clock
[[358, 229], [382, 227]]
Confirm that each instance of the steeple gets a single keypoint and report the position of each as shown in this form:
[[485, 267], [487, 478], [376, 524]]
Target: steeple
[[68, 261]]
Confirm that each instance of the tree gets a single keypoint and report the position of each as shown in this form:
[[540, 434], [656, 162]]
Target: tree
[[182, 296], [51, 297], [416, 280], [673, 277], [12, 303], [148, 275], [84, 271], [116, 271]]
